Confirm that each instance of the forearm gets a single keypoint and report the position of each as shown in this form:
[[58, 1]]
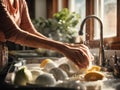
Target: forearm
[[38, 42]]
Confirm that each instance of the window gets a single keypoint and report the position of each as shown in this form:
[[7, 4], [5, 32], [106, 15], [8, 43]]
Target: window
[[110, 18], [78, 6], [108, 11]]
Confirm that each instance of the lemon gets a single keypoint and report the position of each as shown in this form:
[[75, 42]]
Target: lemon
[[47, 64], [22, 76], [95, 68], [44, 62], [93, 76]]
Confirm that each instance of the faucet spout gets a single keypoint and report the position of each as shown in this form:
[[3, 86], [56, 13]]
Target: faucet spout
[[101, 61]]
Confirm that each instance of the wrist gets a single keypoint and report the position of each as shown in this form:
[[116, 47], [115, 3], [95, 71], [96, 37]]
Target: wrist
[[62, 47]]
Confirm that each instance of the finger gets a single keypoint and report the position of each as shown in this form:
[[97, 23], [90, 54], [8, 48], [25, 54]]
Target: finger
[[83, 46], [77, 59], [88, 51], [82, 58], [85, 53], [89, 54], [80, 61], [83, 63]]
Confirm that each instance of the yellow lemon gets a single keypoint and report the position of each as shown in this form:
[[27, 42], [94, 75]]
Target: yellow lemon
[[44, 62], [93, 76], [48, 64], [94, 68]]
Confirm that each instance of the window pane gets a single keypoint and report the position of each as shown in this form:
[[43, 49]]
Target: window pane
[[80, 7], [110, 15], [107, 10]]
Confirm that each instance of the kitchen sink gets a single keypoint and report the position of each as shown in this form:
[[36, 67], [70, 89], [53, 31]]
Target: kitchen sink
[[109, 84]]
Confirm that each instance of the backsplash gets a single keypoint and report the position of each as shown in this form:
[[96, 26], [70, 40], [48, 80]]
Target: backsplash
[[108, 53]]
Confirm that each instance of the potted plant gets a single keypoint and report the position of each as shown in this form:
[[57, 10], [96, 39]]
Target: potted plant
[[61, 27]]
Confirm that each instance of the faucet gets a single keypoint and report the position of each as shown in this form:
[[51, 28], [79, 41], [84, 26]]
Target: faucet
[[101, 61]]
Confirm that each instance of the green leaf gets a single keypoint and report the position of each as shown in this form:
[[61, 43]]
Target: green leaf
[[63, 24]]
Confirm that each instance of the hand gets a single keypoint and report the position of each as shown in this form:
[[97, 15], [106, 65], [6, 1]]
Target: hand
[[79, 54]]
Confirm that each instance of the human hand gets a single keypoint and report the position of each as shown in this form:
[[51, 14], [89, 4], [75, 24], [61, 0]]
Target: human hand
[[79, 54]]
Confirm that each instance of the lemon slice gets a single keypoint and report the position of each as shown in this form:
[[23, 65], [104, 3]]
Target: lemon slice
[[94, 68], [93, 76]]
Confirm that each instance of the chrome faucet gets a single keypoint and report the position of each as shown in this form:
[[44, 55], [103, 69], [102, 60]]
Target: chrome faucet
[[101, 61]]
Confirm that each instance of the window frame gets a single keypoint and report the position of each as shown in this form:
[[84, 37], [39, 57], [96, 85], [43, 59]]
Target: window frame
[[109, 43], [52, 7]]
